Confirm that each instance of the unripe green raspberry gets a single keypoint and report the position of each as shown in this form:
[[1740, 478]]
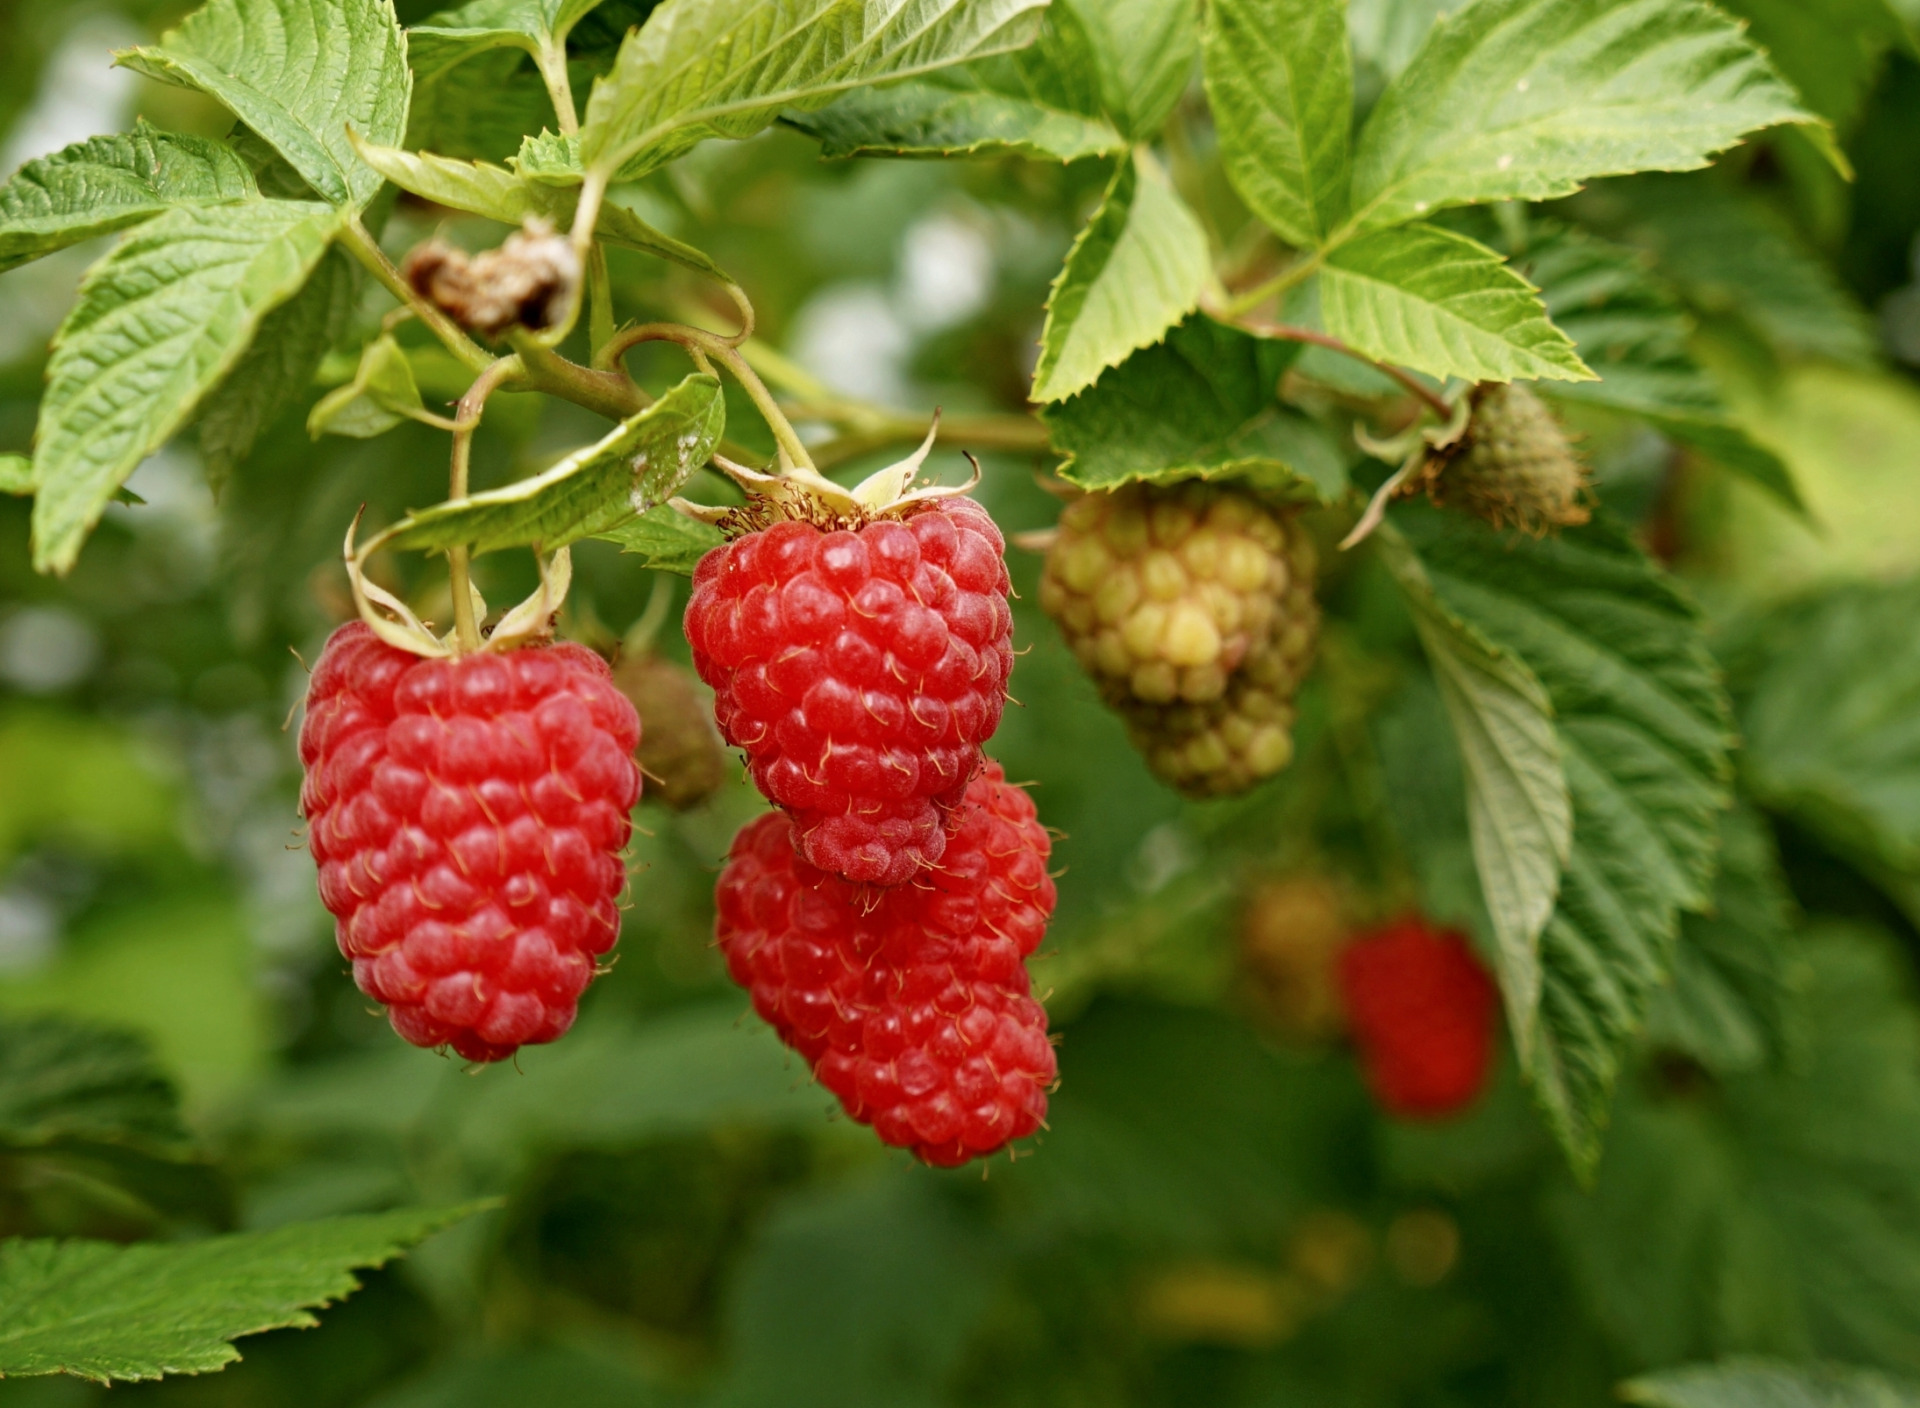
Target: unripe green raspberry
[[1192, 608], [680, 749], [1514, 467]]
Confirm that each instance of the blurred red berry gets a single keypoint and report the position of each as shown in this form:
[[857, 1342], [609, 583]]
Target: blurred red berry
[[860, 671], [912, 1004], [1422, 1011], [468, 817]]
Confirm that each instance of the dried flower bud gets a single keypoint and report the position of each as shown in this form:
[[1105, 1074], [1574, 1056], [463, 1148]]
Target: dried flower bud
[[528, 282]]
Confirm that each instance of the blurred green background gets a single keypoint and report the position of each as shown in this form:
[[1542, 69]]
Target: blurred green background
[[1217, 1215]]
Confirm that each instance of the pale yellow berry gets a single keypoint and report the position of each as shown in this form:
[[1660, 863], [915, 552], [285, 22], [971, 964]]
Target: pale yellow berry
[[1202, 684], [1163, 576], [1171, 521], [1143, 629], [1081, 562], [1243, 566], [1190, 637], [1201, 553], [1156, 682], [1116, 597]]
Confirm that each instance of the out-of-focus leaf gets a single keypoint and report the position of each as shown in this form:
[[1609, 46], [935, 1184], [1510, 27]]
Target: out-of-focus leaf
[[1632, 331], [107, 183], [634, 468], [1780, 1216], [1770, 1383], [1728, 1004], [665, 540], [499, 194], [483, 108], [1528, 99], [1135, 271], [159, 322], [1831, 712], [1427, 298], [381, 395], [1280, 82], [1143, 53], [523, 1377], [537, 26], [1730, 257], [1519, 811], [107, 1312], [1178, 1127], [1202, 404], [861, 1297], [725, 68], [1644, 734], [62, 1081], [298, 73], [1386, 34], [16, 474], [1831, 52], [279, 365]]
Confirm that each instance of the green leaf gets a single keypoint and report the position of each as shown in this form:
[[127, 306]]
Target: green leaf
[[1519, 810], [665, 540], [1528, 99], [298, 74], [1202, 404], [106, 1312], [1766, 1383], [1830, 53], [537, 26], [1143, 53], [1043, 101], [1386, 34], [1438, 302], [62, 1082], [483, 108], [1727, 1006], [1831, 713], [499, 194], [16, 474], [381, 395], [1778, 1214], [1280, 81], [279, 365], [108, 183], [860, 1296], [1643, 734], [725, 68], [636, 467], [1631, 330], [1136, 270], [159, 322]]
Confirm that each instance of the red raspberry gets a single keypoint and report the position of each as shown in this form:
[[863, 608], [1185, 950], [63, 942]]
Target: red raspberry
[[860, 671], [467, 817], [913, 1004], [1422, 1010]]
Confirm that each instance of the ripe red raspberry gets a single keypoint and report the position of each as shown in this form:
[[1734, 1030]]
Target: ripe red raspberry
[[913, 1004], [860, 671], [467, 817], [1421, 1008]]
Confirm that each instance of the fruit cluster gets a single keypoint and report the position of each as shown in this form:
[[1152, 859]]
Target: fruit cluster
[[911, 1004], [1192, 608], [468, 817]]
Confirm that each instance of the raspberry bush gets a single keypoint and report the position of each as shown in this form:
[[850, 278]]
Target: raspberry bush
[[527, 515]]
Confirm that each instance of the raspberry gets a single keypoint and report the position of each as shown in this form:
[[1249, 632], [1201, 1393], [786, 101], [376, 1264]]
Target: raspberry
[[1192, 607], [1421, 1008], [860, 670], [467, 817], [913, 1004], [1514, 467], [680, 752]]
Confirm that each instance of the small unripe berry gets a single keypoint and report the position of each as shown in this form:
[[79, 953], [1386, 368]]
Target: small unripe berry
[[680, 750], [1514, 467], [1291, 934]]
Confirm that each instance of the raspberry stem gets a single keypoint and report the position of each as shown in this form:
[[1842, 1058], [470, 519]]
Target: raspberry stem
[[698, 343], [466, 421]]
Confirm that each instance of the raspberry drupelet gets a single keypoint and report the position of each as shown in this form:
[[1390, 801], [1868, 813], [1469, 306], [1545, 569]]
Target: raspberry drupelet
[[860, 670], [468, 817], [912, 1005], [1422, 1011]]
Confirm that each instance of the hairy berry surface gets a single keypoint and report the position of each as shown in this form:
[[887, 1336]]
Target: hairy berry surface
[[912, 1004], [1515, 466], [1192, 607], [467, 817], [860, 671], [1422, 1009]]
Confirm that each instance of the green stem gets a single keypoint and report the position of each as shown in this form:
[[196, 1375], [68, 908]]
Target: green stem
[[552, 62], [1295, 273], [600, 325], [722, 351], [1287, 332], [1013, 433], [608, 393], [363, 247], [466, 421]]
